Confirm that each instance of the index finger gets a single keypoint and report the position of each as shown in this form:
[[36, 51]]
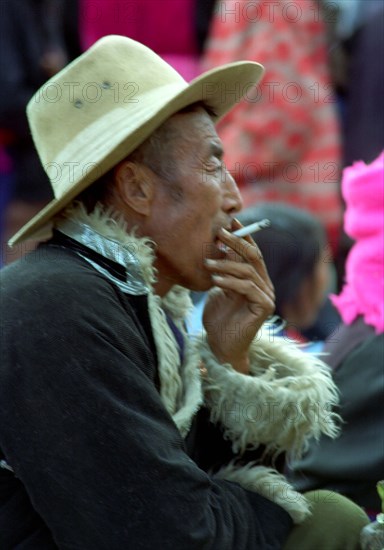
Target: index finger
[[245, 247], [236, 224]]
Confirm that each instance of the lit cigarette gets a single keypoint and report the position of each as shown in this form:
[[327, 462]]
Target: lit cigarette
[[252, 228]]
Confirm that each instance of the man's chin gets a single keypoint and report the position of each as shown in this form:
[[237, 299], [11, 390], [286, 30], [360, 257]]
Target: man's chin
[[202, 286]]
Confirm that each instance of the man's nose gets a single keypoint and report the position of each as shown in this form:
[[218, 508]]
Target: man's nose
[[232, 200]]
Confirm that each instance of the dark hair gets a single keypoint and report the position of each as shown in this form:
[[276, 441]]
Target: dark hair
[[291, 246]]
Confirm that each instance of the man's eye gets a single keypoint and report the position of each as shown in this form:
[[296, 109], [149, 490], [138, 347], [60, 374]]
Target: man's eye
[[215, 166]]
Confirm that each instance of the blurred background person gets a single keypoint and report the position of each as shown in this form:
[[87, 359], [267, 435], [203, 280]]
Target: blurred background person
[[37, 39], [283, 141], [353, 463]]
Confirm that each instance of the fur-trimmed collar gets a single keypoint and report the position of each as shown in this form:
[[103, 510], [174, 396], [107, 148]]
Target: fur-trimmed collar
[[106, 233]]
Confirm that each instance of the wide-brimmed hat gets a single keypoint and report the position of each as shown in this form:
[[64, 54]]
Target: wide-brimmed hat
[[104, 104]]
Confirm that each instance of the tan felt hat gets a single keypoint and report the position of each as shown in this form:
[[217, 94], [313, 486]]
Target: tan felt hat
[[104, 104]]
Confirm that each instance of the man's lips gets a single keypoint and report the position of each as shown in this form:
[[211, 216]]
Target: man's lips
[[220, 246]]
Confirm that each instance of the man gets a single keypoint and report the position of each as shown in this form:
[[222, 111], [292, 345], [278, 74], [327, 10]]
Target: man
[[111, 418]]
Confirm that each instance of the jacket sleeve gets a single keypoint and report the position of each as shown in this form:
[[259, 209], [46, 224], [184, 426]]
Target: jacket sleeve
[[84, 429]]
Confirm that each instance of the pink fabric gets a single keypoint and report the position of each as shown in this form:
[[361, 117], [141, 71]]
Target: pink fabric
[[363, 292], [186, 65], [165, 26]]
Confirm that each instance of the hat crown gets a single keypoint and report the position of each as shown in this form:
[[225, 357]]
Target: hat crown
[[113, 76]]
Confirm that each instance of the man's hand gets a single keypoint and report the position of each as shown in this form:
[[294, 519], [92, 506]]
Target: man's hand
[[240, 303]]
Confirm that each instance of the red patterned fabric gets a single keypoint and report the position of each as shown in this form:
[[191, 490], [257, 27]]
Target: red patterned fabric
[[282, 142]]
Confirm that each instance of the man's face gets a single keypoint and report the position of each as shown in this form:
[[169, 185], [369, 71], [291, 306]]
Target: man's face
[[188, 211]]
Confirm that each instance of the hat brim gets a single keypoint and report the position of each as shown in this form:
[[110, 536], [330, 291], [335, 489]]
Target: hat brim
[[220, 89]]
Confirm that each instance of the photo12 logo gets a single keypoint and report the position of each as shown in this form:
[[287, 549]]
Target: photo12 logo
[[270, 91], [269, 11], [80, 93]]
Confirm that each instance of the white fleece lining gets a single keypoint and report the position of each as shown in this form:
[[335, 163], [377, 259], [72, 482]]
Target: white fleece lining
[[270, 484], [287, 398], [177, 303]]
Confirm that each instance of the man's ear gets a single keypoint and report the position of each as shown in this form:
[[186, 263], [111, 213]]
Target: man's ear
[[135, 186]]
